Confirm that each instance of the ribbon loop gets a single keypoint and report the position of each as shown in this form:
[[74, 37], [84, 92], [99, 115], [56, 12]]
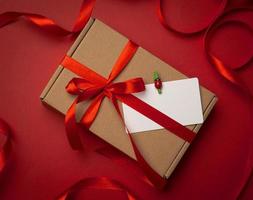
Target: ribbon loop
[[93, 86], [85, 90], [49, 24], [130, 86], [77, 86], [92, 111]]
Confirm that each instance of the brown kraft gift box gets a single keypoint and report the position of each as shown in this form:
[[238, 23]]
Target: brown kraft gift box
[[98, 46]]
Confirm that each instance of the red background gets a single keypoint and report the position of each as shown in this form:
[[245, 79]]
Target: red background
[[42, 165]]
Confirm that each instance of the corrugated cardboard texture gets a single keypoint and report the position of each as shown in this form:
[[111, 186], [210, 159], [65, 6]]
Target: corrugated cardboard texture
[[98, 47]]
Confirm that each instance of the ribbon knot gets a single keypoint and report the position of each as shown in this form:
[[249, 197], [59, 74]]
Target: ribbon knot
[[86, 89], [93, 88]]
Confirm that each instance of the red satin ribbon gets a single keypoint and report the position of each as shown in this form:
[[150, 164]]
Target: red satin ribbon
[[94, 87], [5, 147], [99, 183], [225, 71], [85, 12], [49, 24], [161, 18]]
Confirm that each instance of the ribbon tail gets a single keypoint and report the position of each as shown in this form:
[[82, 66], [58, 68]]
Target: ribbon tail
[[5, 148], [38, 20], [84, 15], [227, 73], [7, 18], [72, 128], [49, 24], [152, 175], [92, 111]]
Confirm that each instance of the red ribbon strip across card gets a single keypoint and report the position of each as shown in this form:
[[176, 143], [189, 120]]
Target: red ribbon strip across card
[[93, 86]]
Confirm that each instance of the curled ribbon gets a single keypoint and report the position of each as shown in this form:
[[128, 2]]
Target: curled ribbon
[[49, 24], [108, 89], [99, 183], [5, 147], [161, 18], [225, 71], [92, 86]]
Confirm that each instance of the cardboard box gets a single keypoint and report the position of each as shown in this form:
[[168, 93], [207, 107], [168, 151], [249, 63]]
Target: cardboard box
[[98, 46]]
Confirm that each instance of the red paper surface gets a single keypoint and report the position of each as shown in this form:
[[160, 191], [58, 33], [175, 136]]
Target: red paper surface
[[42, 165]]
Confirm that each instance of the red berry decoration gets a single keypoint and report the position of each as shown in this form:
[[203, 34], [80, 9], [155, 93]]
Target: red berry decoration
[[157, 82]]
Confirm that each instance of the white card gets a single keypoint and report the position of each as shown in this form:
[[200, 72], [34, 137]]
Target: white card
[[180, 100]]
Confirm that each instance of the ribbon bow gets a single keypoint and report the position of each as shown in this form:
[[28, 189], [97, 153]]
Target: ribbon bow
[[87, 89], [94, 87]]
